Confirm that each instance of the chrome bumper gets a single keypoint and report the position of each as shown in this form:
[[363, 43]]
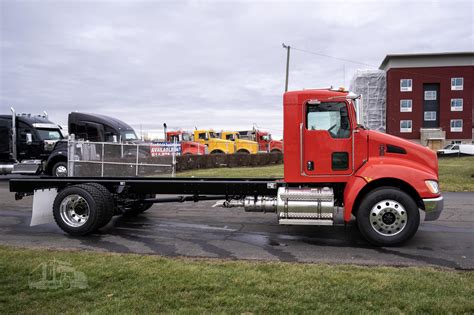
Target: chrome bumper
[[433, 208]]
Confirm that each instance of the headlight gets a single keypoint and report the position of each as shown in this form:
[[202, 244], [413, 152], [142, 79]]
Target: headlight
[[432, 186]]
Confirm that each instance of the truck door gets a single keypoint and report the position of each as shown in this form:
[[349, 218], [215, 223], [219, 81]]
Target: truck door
[[95, 132], [5, 135], [28, 150], [202, 137], [326, 139]]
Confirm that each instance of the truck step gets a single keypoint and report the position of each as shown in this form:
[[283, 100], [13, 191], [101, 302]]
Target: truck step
[[305, 222], [30, 167]]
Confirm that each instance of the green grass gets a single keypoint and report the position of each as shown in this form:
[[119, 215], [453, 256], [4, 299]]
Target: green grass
[[144, 284], [273, 171], [456, 174]]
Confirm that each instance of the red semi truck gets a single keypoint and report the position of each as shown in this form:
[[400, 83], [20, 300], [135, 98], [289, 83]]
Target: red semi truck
[[331, 164], [264, 140], [188, 146]]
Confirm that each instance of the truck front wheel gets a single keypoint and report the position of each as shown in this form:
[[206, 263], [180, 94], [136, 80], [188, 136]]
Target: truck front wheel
[[59, 169], [388, 216]]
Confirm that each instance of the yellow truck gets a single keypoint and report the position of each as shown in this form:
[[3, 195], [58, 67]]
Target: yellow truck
[[241, 145], [213, 143]]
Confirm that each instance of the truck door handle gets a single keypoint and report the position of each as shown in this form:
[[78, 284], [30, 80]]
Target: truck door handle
[[310, 165]]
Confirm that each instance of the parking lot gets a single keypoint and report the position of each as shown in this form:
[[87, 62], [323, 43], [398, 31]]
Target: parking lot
[[201, 230]]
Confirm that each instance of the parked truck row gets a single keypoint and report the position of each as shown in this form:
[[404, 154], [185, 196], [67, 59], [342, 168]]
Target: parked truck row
[[32, 144]]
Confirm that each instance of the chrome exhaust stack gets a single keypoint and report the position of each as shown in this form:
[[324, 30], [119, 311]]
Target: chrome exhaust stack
[[13, 139]]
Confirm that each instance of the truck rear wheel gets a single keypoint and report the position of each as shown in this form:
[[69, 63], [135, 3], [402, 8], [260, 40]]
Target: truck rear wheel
[[388, 216], [79, 209], [109, 203]]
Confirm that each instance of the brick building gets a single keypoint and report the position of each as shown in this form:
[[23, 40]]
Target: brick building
[[429, 97]]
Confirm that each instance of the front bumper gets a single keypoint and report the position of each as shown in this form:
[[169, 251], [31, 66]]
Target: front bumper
[[433, 208]]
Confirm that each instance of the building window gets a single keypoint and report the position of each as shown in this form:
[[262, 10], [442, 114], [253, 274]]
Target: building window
[[430, 95], [456, 104], [405, 85], [405, 125], [405, 105], [456, 125], [457, 84], [430, 116]]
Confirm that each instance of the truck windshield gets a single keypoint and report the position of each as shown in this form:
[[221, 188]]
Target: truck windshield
[[174, 138], [212, 135], [186, 137], [50, 134], [129, 135], [232, 137]]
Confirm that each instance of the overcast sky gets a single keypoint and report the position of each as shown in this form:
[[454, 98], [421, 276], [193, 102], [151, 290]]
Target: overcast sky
[[209, 64]]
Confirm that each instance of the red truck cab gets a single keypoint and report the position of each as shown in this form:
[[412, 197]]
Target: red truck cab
[[380, 179], [266, 143], [188, 147]]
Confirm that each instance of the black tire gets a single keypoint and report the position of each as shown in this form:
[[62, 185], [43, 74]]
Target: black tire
[[92, 198], [243, 151], [217, 152], [387, 216], [109, 203], [55, 171]]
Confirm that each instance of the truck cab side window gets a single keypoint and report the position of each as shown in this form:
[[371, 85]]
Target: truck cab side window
[[109, 134], [203, 136], [24, 129], [330, 116]]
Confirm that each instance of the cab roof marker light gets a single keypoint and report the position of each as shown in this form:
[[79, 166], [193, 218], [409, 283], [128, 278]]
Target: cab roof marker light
[[314, 102], [353, 96]]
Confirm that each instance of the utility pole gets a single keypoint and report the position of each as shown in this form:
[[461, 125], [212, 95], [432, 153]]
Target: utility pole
[[287, 64]]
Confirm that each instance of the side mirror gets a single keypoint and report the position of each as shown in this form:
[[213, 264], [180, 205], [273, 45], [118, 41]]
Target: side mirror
[[29, 138]]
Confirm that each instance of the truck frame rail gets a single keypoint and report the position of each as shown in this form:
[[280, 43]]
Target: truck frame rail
[[162, 185]]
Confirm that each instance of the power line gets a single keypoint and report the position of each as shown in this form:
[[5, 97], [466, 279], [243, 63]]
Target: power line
[[369, 65], [333, 57]]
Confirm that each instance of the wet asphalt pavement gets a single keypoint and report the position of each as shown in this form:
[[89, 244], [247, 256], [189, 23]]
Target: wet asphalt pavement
[[199, 230]]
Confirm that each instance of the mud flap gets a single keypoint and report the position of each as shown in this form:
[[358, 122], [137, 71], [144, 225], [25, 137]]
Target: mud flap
[[43, 206]]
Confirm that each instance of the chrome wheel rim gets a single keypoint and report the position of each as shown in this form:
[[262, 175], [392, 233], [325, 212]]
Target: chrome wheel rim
[[74, 210], [61, 171], [388, 218]]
